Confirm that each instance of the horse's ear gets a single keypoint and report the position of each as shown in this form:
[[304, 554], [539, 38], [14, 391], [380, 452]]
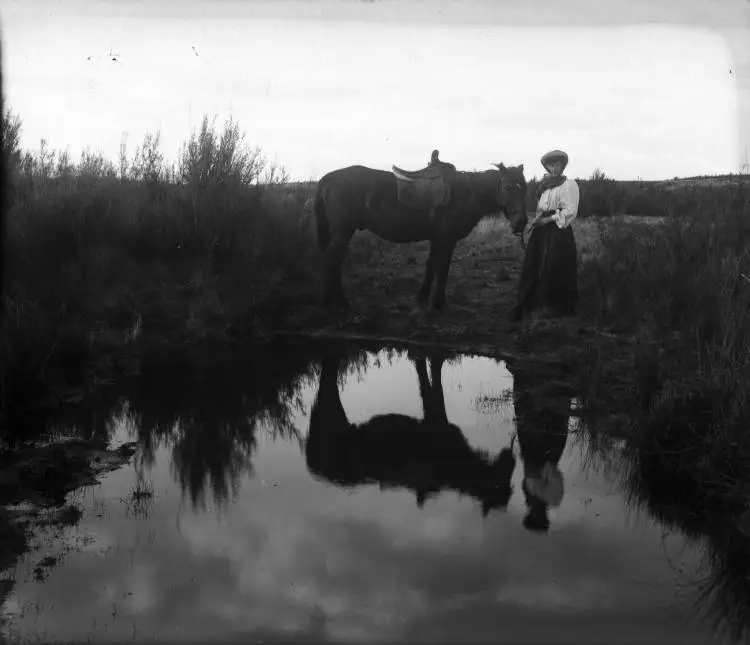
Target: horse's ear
[[520, 167], [501, 166]]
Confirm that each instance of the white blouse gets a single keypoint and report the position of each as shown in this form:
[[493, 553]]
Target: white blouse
[[565, 197]]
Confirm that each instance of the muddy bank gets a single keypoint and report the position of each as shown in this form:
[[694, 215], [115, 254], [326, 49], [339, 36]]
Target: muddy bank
[[43, 474], [34, 482]]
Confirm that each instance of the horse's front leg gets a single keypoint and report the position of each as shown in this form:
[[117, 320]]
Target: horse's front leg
[[424, 291], [438, 396], [442, 265]]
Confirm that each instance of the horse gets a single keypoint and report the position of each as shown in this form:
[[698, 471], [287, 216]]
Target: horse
[[361, 198], [425, 456]]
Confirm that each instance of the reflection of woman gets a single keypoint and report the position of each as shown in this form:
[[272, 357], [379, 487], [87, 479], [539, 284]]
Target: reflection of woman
[[550, 266], [542, 435]]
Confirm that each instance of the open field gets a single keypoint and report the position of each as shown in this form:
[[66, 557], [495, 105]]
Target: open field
[[104, 261]]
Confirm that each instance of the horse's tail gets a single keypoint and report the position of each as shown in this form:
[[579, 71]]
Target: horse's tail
[[321, 221], [5, 175]]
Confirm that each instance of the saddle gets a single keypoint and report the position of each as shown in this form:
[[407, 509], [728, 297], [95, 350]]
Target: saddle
[[427, 188]]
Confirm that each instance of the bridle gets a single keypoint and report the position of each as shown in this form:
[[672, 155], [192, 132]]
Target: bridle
[[503, 207]]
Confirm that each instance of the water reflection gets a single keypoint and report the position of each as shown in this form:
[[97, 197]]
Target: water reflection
[[207, 411], [355, 480], [427, 455], [542, 434], [721, 587]]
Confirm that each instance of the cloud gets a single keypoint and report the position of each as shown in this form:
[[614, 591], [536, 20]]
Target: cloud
[[354, 566], [317, 95]]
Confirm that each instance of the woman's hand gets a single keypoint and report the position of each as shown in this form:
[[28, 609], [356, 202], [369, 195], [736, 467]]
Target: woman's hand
[[544, 216]]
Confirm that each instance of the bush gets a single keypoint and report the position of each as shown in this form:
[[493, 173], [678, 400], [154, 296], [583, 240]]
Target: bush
[[99, 254], [601, 196]]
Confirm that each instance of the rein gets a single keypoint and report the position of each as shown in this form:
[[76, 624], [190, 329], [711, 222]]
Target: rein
[[531, 230], [503, 207]]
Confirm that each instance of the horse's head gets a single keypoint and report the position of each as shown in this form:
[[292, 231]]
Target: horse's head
[[511, 196]]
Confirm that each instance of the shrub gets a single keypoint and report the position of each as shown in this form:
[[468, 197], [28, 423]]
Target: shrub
[[97, 253]]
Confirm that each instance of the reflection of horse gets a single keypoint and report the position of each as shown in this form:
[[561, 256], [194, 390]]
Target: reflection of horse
[[395, 450], [542, 435]]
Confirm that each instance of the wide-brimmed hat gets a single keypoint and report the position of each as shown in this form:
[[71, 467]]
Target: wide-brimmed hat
[[552, 155]]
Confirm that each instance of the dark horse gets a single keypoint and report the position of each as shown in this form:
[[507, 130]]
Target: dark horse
[[425, 456], [360, 198]]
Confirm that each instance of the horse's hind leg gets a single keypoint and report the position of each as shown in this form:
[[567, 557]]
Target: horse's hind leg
[[333, 290]]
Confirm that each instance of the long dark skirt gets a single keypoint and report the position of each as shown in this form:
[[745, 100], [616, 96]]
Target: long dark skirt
[[549, 276]]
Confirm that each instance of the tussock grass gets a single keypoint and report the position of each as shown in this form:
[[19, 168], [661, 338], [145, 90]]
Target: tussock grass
[[141, 490], [675, 301], [140, 498]]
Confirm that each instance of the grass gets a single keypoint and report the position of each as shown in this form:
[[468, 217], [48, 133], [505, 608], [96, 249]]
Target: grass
[[139, 500], [105, 261], [680, 297], [139, 492]]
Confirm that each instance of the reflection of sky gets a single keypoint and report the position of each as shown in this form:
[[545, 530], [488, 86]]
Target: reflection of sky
[[294, 555], [651, 100]]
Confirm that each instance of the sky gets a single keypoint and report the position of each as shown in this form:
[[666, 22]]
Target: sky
[[637, 89]]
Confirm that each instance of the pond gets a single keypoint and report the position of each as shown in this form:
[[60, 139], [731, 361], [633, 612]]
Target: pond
[[358, 496]]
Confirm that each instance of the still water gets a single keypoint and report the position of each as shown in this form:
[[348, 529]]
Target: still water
[[375, 496]]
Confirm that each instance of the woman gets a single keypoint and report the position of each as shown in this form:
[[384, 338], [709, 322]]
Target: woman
[[549, 276]]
